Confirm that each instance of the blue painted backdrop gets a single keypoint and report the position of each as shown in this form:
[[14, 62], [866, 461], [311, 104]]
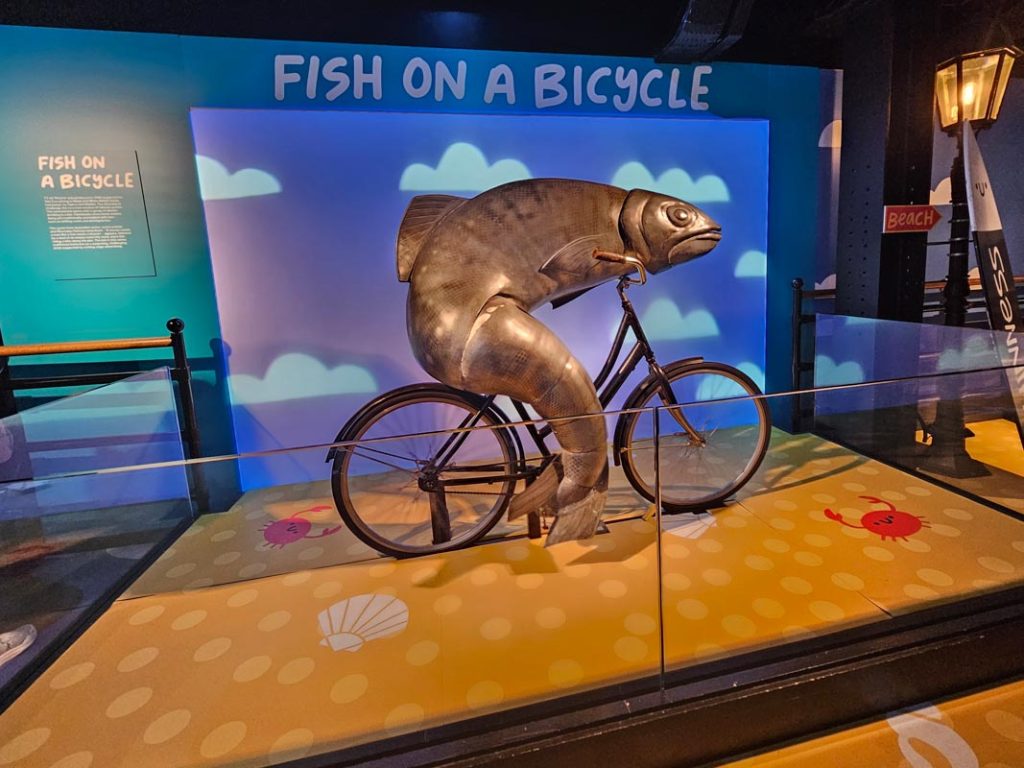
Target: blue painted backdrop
[[302, 210]]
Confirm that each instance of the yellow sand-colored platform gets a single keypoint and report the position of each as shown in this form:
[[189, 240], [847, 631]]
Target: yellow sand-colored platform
[[996, 444], [240, 672], [984, 729]]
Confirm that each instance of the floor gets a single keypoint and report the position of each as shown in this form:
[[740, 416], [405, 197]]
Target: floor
[[983, 729], [234, 651], [57, 568]]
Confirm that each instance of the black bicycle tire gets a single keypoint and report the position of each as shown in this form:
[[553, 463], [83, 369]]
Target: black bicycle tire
[[388, 403], [639, 399]]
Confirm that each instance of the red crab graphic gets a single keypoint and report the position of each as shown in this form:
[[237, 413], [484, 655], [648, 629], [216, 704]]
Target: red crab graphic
[[290, 529], [888, 523]]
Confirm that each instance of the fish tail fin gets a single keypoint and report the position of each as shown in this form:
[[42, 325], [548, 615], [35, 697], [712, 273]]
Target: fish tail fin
[[579, 520]]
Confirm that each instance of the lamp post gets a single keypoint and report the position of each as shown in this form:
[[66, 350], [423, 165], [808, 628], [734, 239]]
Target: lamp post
[[967, 87]]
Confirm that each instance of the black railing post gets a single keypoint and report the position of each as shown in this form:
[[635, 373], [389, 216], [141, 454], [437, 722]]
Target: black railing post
[[796, 351], [183, 376]]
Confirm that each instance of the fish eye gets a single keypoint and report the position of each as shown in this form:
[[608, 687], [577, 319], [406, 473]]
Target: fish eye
[[678, 215]]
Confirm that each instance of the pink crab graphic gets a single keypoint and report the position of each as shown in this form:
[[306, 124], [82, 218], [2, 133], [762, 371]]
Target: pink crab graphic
[[888, 523], [279, 533]]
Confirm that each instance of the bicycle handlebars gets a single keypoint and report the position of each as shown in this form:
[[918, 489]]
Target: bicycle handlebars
[[621, 258]]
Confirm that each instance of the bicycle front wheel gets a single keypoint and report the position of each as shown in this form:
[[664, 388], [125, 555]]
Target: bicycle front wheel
[[703, 465], [399, 437]]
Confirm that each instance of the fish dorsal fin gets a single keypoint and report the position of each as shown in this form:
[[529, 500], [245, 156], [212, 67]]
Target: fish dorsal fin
[[420, 217], [573, 261]]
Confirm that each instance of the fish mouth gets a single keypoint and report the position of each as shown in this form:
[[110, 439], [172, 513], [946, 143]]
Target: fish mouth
[[695, 245]]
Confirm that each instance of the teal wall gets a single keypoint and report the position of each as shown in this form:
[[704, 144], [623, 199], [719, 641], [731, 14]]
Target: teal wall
[[65, 91], [72, 91]]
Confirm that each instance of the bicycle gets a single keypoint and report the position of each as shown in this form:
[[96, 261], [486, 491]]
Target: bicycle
[[405, 490]]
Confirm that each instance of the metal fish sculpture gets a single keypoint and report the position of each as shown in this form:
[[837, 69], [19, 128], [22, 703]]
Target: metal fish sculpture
[[477, 267]]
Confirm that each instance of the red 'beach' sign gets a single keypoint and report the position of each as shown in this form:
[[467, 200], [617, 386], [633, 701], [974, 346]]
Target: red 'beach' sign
[[909, 218]]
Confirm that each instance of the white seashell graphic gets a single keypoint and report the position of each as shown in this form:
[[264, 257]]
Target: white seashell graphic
[[349, 624], [692, 528]]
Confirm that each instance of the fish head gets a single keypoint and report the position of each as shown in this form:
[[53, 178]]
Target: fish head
[[665, 231]]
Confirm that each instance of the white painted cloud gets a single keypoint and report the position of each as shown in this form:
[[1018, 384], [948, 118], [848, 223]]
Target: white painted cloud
[[752, 264], [216, 183], [674, 182], [828, 373], [975, 352], [462, 168], [753, 370], [294, 376], [664, 322], [942, 194], [831, 135], [828, 284]]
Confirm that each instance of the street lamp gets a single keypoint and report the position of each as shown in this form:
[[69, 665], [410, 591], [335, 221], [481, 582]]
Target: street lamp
[[967, 87]]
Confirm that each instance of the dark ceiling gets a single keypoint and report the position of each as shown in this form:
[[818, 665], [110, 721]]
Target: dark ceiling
[[806, 32]]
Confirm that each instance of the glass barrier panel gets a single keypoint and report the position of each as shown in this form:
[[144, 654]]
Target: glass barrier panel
[[851, 350], [300, 632], [71, 530]]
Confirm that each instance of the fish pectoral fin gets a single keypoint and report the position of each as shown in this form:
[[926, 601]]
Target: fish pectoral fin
[[563, 300], [422, 215], [538, 496], [571, 263]]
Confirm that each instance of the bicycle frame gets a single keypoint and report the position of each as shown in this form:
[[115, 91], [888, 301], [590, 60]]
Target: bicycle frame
[[607, 383]]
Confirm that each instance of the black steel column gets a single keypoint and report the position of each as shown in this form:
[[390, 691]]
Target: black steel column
[[888, 101]]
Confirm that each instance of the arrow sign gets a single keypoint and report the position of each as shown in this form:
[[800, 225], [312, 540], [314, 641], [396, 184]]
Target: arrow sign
[[909, 218]]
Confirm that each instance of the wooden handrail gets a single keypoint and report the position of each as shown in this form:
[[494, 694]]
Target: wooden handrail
[[18, 350]]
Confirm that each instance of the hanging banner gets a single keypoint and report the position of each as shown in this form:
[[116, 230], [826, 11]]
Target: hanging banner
[[996, 274]]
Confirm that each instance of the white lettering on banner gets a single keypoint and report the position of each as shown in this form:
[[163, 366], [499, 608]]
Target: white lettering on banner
[[455, 83], [548, 78], [549, 90], [674, 102], [698, 89], [625, 78], [329, 78], [331, 72], [312, 74], [416, 66], [334, 73], [373, 78], [645, 87], [283, 77], [595, 77], [500, 80]]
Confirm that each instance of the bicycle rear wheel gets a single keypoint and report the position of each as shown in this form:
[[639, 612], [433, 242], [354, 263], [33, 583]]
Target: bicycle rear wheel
[[732, 424], [376, 483]]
